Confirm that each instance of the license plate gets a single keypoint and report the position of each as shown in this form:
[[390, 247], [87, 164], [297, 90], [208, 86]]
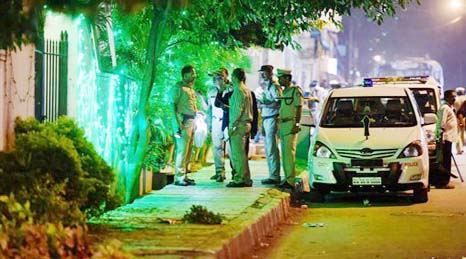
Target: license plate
[[367, 180]]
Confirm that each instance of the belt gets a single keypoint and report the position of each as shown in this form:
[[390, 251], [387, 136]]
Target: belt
[[286, 120], [187, 116], [269, 117]]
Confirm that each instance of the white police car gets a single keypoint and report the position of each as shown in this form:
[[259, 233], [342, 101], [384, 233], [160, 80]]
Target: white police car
[[370, 139]]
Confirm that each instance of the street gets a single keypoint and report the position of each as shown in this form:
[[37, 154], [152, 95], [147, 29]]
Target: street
[[375, 226]]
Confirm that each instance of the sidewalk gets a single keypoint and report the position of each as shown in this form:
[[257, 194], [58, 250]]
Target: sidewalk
[[151, 226]]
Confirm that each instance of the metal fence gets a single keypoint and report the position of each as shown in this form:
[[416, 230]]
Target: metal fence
[[51, 89]]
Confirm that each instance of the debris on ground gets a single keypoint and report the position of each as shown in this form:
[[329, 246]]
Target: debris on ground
[[170, 221], [314, 225]]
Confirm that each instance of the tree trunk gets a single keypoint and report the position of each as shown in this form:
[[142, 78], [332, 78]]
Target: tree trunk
[[140, 133]]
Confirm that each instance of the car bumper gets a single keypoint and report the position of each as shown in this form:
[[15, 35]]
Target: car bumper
[[396, 174]]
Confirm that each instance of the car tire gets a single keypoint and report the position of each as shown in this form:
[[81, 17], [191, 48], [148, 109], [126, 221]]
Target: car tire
[[317, 195], [421, 195]]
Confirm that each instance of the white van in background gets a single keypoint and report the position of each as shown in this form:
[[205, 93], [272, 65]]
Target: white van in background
[[427, 92], [370, 139]]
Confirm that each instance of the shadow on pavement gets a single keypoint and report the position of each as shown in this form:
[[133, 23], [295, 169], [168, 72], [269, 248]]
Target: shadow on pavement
[[356, 200]]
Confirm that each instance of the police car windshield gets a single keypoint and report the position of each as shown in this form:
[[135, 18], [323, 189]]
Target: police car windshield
[[425, 99], [390, 111]]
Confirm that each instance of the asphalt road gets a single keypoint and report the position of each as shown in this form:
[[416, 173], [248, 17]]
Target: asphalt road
[[375, 226]]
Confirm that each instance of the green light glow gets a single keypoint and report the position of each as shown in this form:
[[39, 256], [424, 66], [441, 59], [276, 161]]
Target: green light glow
[[106, 103]]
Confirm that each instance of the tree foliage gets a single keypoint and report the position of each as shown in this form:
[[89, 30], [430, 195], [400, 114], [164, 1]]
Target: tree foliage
[[230, 22], [270, 24]]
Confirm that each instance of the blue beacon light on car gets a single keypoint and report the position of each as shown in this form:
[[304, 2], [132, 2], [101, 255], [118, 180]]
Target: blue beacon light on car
[[367, 82]]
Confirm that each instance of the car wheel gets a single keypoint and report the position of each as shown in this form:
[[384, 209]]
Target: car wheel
[[317, 195], [420, 195]]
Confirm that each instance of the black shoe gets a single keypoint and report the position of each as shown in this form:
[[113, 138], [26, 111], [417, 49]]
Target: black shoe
[[270, 181], [190, 181], [233, 184], [220, 179], [181, 183], [285, 185], [213, 177]]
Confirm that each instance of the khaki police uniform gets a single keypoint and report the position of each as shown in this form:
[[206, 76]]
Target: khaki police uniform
[[184, 103], [290, 106], [270, 106], [239, 127]]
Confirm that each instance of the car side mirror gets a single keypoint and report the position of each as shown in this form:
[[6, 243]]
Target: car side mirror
[[430, 118]]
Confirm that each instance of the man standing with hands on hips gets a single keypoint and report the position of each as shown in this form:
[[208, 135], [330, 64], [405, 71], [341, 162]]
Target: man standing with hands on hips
[[184, 109], [290, 115], [270, 105]]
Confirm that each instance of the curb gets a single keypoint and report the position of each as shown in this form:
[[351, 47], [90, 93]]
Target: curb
[[253, 232]]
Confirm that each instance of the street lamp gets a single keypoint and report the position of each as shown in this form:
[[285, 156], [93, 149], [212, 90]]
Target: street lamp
[[456, 4], [378, 59]]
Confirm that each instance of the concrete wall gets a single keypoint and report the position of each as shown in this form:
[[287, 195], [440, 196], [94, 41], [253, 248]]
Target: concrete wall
[[16, 90], [55, 23]]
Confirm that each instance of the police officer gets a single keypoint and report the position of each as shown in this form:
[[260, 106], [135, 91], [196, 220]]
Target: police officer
[[239, 128], [220, 78], [184, 109], [290, 115], [270, 105]]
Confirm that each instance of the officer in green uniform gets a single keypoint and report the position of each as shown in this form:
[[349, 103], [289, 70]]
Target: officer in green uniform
[[290, 115], [239, 127], [184, 109]]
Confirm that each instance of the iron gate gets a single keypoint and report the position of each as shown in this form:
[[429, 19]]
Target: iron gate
[[51, 83]]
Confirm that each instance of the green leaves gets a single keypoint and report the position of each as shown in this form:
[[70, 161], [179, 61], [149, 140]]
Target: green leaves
[[57, 170], [201, 215], [233, 23]]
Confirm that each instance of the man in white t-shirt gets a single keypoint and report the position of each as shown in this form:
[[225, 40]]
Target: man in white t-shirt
[[220, 78], [447, 128]]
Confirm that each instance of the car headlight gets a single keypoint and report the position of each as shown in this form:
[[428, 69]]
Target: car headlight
[[412, 150], [322, 151], [430, 136]]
